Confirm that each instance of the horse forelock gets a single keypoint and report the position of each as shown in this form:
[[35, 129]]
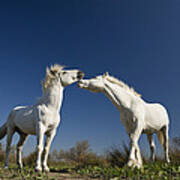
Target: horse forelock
[[122, 84], [56, 68]]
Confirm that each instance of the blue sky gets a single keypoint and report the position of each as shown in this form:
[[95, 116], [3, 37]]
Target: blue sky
[[136, 41]]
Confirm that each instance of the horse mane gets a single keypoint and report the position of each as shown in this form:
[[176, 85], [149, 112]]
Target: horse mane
[[122, 84], [51, 75]]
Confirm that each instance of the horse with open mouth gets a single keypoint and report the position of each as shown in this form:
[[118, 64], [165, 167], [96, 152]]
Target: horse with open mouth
[[41, 118], [136, 115]]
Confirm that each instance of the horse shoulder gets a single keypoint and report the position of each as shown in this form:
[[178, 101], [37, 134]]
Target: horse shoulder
[[137, 108], [47, 116]]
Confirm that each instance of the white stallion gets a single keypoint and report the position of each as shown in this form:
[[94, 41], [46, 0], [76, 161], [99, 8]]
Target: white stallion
[[42, 118], [136, 115]]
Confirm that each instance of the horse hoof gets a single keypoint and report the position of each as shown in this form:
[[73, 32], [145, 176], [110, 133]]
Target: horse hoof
[[138, 166], [131, 163], [134, 164], [20, 167], [38, 169], [46, 169]]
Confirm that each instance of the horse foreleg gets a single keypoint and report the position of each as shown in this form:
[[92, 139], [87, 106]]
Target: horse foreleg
[[40, 135], [10, 133], [49, 138], [138, 156], [20, 144], [135, 152], [152, 146]]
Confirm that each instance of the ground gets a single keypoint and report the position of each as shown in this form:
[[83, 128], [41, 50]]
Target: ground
[[150, 171], [29, 174]]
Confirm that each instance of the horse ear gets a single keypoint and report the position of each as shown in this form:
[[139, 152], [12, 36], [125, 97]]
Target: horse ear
[[106, 74], [47, 70]]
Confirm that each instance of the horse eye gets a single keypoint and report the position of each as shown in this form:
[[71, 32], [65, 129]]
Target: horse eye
[[64, 73]]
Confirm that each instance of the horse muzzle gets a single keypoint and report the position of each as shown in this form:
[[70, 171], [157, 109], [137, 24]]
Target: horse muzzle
[[82, 84]]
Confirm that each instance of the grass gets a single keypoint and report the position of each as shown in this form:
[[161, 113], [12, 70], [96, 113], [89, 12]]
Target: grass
[[157, 170], [150, 171], [27, 173], [80, 163]]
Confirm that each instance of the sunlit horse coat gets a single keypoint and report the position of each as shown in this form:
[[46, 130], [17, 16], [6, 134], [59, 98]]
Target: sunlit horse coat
[[42, 118], [136, 115]]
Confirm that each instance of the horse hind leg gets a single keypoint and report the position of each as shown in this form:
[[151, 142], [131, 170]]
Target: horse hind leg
[[166, 143], [10, 132], [163, 139], [20, 144], [152, 146]]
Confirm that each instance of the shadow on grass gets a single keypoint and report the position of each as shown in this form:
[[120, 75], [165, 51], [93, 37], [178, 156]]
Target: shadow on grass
[[66, 170]]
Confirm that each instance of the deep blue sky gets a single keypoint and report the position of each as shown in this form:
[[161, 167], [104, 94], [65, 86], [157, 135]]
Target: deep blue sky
[[136, 41]]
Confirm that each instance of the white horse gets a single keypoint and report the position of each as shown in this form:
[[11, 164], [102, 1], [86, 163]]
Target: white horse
[[42, 118], [136, 115]]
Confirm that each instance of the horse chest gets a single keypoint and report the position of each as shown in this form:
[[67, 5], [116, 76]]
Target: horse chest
[[48, 116]]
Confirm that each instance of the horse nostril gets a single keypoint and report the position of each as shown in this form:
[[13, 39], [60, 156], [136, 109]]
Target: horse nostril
[[80, 75]]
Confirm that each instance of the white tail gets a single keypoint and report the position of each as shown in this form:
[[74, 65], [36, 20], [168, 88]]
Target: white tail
[[160, 137]]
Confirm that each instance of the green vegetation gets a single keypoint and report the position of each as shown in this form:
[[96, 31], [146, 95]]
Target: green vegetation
[[79, 162], [149, 171], [26, 173]]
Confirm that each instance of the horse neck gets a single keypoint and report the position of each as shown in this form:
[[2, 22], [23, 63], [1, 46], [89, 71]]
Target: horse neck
[[52, 97], [118, 95]]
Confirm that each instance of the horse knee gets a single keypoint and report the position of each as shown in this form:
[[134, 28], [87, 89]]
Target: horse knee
[[39, 148], [19, 146], [46, 150], [134, 143]]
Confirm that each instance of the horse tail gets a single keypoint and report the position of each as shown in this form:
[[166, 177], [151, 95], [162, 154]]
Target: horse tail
[[161, 137], [3, 130]]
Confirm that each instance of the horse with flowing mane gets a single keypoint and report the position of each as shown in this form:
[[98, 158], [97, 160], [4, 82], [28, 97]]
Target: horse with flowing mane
[[41, 118], [136, 115]]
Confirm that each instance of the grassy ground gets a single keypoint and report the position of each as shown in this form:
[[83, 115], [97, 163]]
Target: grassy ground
[[29, 174], [80, 163], [150, 171]]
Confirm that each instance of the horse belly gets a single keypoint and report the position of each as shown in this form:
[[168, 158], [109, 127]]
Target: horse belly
[[27, 127]]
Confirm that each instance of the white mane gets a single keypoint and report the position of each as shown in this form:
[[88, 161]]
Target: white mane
[[122, 84], [51, 75]]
